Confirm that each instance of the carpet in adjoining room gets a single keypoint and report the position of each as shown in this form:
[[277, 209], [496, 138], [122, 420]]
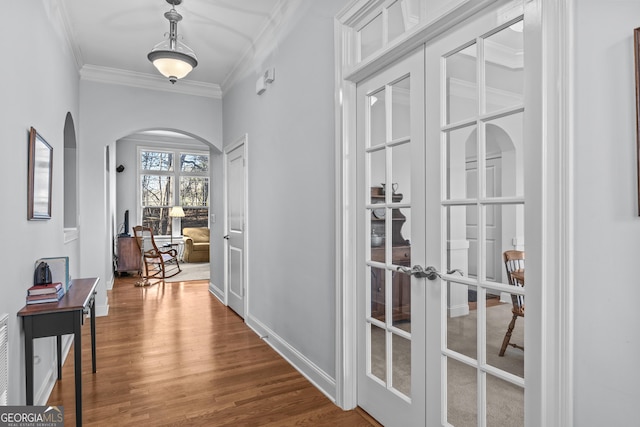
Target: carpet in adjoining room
[[191, 271]]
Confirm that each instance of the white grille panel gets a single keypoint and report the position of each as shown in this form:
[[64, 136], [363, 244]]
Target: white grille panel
[[4, 359]]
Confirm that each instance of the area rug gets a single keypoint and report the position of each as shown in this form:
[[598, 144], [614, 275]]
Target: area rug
[[191, 271]]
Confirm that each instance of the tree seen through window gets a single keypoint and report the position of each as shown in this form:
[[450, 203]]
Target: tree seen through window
[[158, 178]]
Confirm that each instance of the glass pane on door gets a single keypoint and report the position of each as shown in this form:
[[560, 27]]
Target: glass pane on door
[[462, 85], [462, 325], [377, 131], [378, 359], [378, 292], [401, 173], [504, 68], [401, 364], [505, 403], [462, 155], [400, 117], [504, 155], [462, 395]]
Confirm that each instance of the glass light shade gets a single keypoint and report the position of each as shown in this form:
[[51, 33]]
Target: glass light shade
[[172, 63], [176, 212], [170, 67]]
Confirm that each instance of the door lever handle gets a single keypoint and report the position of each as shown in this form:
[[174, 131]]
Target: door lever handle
[[226, 237], [433, 273], [417, 271], [430, 272]]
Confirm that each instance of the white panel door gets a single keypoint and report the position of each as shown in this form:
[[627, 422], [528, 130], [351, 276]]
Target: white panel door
[[235, 269], [493, 238]]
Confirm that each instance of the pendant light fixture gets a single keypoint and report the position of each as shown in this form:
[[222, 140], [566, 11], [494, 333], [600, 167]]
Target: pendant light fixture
[[171, 57]]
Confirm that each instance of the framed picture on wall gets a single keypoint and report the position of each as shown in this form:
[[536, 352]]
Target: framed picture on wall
[[39, 178], [636, 50]]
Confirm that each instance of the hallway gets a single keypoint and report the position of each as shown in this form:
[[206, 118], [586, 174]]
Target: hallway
[[172, 354]]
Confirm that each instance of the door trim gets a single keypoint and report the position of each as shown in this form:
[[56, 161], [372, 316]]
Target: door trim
[[551, 64], [551, 61], [245, 268]]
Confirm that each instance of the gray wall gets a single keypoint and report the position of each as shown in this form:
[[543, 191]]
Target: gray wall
[[39, 85], [109, 113], [291, 188], [607, 226]]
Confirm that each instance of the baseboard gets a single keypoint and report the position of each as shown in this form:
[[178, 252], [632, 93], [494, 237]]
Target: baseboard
[[306, 367], [102, 310], [505, 297], [459, 310], [217, 292], [43, 394]]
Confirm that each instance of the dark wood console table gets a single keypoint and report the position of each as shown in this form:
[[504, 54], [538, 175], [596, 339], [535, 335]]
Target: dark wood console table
[[61, 318]]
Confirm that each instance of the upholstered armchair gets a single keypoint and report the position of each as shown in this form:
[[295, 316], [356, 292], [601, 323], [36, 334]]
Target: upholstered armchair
[[196, 244]]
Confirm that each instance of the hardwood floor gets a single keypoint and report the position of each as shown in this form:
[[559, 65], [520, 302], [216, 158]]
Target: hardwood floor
[[172, 354]]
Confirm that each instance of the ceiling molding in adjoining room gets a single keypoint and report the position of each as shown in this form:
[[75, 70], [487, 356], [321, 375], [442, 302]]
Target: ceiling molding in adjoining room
[[165, 139], [148, 81]]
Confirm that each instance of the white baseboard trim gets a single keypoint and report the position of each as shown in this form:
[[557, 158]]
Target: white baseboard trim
[[505, 297], [217, 292], [102, 310], [306, 367], [459, 310]]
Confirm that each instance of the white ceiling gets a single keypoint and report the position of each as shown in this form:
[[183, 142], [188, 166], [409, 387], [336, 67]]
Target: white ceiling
[[118, 34]]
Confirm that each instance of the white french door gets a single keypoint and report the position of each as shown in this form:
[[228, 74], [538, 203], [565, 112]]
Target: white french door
[[428, 343], [474, 123], [391, 335]]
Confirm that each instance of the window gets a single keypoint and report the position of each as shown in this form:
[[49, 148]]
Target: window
[[194, 189], [164, 184]]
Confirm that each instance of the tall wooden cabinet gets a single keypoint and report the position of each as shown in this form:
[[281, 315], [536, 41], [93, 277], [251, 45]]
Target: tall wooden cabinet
[[400, 256], [128, 255]]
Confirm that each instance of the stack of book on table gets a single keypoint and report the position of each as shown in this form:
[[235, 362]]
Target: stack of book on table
[[39, 294]]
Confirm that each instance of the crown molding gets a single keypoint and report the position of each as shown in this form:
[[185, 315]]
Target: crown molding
[[61, 14], [148, 81], [358, 10], [263, 44]]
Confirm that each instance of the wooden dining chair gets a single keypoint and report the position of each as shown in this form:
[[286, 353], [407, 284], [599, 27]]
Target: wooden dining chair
[[514, 263], [157, 264]]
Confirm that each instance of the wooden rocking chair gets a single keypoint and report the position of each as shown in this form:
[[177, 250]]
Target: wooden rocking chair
[[514, 263], [157, 264]]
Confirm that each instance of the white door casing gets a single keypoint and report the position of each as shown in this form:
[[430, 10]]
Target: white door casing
[[235, 173]]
